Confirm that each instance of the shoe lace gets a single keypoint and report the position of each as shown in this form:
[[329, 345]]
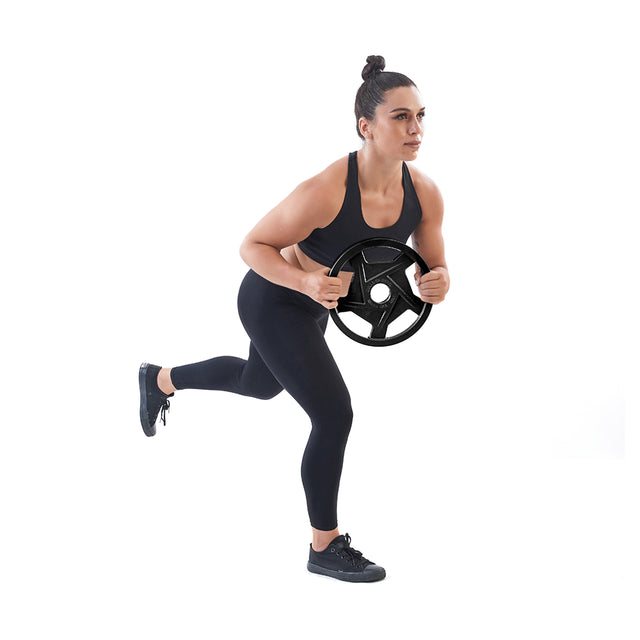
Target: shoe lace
[[163, 411], [351, 555]]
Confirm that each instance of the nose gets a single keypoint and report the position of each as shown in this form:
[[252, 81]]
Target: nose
[[415, 126]]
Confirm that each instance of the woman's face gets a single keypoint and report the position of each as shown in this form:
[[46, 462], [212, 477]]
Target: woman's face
[[397, 128]]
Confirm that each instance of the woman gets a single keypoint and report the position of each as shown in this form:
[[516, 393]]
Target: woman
[[285, 297]]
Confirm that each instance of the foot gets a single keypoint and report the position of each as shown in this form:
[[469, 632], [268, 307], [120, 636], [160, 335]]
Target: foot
[[152, 399], [339, 560]]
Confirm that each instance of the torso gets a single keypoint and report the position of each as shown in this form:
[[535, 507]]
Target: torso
[[378, 211]]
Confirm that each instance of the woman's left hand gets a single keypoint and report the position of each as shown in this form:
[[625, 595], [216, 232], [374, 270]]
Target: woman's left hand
[[433, 286]]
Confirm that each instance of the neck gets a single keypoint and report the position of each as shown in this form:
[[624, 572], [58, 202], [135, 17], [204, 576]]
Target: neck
[[377, 172]]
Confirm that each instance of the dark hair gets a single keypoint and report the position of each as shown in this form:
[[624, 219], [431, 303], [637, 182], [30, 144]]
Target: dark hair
[[372, 91]]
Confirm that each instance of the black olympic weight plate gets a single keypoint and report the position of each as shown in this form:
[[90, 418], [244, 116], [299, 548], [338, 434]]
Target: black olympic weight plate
[[400, 297]]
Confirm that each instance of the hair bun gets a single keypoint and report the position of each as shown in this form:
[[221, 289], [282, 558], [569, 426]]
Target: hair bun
[[374, 65]]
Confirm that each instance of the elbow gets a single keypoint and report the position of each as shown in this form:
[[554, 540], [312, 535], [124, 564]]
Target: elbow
[[254, 252], [250, 251], [245, 250]]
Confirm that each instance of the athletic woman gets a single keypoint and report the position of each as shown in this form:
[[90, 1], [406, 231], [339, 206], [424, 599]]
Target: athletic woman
[[285, 298]]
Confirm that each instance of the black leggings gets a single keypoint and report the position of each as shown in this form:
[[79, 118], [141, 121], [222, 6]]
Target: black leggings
[[288, 350]]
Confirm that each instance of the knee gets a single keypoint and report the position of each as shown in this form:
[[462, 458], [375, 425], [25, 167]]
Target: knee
[[335, 419], [262, 387], [266, 392], [346, 416]]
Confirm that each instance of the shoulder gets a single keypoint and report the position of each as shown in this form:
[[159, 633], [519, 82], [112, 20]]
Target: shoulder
[[325, 191], [329, 181], [427, 191]]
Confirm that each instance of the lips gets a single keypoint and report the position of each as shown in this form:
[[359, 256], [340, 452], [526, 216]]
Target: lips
[[413, 145]]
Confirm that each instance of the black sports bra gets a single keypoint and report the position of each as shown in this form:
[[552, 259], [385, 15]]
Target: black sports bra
[[325, 245]]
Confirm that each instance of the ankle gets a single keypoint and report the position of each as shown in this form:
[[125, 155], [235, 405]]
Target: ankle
[[164, 382], [321, 539]]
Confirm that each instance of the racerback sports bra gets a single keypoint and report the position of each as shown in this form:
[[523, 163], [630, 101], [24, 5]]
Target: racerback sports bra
[[325, 245]]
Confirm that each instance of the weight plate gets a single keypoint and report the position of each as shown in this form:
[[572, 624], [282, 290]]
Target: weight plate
[[400, 298]]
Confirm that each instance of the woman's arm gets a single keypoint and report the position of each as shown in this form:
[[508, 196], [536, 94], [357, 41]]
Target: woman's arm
[[313, 204], [428, 241]]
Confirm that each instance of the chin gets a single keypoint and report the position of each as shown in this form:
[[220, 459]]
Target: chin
[[401, 153], [410, 154]]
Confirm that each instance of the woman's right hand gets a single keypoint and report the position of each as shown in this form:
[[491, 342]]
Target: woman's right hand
[[321, 288]]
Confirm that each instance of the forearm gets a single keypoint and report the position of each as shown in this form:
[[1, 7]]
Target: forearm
[[267, 262]]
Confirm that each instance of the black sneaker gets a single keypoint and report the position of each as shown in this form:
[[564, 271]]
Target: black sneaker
[[152, 400], [339, 560]]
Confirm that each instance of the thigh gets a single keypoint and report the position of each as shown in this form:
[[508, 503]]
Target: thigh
[[298, 356], [287, 330]]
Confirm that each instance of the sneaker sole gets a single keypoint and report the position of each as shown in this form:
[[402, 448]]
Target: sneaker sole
[[149, 429], [346, 576]]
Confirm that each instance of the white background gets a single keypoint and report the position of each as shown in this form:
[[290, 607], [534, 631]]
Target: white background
[[493, 463]]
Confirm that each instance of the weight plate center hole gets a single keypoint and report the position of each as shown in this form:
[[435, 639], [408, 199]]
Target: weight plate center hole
[[380, 293]]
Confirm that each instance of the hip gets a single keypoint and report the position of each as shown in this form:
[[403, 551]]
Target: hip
[[257, 295]]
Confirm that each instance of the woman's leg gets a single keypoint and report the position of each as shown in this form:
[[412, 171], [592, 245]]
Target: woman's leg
[[287, 330], [288, 350], [249, 377]]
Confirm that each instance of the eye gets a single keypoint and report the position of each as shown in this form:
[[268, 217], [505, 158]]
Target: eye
[[421, 115], [402, 116]]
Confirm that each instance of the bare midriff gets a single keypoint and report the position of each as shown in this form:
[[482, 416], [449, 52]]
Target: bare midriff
[[297, 258]]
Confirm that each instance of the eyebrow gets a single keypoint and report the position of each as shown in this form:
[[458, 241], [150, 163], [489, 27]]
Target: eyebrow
[[404, 109]]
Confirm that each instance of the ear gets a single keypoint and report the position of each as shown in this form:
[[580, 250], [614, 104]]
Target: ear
[[365, 128]]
